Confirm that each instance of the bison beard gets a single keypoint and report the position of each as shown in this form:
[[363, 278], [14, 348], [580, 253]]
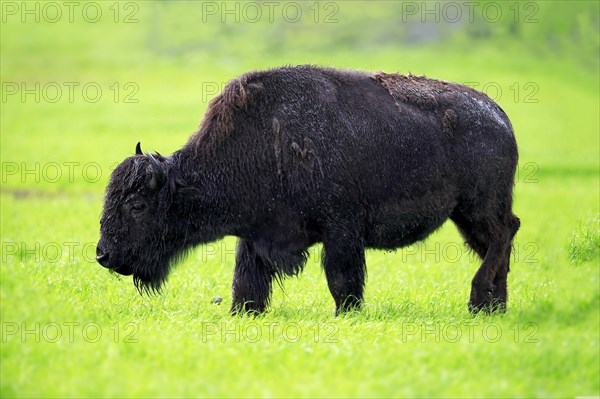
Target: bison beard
[[289, 157]]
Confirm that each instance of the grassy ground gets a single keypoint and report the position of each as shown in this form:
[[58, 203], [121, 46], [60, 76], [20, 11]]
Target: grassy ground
[[71, 329]]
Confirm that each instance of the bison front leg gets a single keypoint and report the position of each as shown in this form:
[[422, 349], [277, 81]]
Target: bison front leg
[[344, 264], [252, 281]]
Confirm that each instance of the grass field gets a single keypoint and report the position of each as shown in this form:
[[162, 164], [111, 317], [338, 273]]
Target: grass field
[[77, 96]]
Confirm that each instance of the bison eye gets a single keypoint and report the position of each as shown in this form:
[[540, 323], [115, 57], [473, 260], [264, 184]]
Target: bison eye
[[137, 206]]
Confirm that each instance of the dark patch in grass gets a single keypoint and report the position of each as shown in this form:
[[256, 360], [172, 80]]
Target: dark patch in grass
[[42, 194]]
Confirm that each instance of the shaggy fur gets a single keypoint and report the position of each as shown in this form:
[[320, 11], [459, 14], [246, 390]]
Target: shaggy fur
[[292, 156]]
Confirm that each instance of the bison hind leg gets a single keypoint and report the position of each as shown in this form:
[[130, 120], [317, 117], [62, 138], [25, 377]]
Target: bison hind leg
[[490, 235]]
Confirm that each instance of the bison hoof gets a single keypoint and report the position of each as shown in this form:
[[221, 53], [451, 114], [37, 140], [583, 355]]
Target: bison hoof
[[351, 304], [487, 299], [247, 309], [493, 306]]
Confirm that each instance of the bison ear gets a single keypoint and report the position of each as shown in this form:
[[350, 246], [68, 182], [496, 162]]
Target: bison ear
[[138, 149], [158, 173]]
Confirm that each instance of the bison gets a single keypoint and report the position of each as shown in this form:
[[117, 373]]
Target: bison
[[293, 156]]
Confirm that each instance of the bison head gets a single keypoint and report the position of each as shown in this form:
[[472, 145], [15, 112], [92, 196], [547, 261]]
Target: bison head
[[136, 237]]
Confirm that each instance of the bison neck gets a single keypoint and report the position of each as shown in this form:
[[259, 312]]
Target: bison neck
[[216, 200]]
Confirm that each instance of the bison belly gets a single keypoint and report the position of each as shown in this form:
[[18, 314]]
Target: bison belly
[[396, 225]]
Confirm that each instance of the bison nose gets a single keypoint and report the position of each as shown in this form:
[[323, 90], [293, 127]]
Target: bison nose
[[102, 258]]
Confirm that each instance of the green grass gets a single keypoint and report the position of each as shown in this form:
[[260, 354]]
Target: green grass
[[585, 244], [414, 336]]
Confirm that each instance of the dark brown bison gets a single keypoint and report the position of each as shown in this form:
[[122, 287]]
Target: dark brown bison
[[293, 156]]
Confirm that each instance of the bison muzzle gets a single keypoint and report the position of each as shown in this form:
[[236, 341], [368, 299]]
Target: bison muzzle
[[289, 157]]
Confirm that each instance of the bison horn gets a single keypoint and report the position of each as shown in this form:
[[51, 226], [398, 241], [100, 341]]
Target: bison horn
[[138, 149], [158, 174]]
